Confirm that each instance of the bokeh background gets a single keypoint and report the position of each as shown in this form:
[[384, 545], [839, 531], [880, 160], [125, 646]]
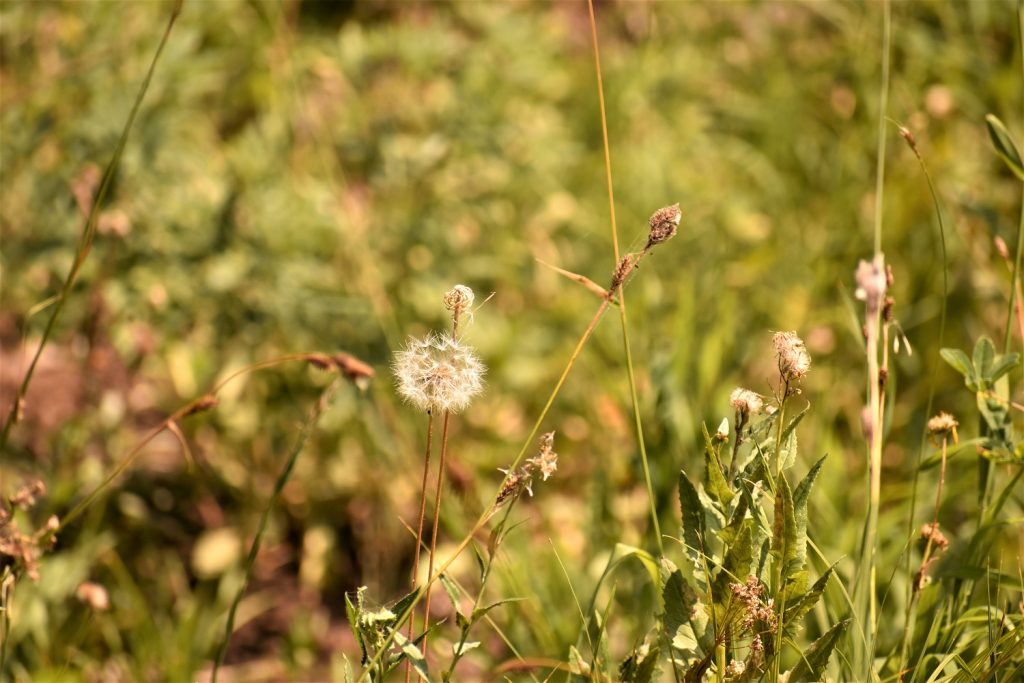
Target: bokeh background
[[308, 176]]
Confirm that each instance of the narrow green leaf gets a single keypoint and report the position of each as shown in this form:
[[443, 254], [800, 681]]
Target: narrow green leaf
[[686, 616], [1005, 147], [814, 660], [352, 612], [736, 566], [577, 664], [784, 529], [800, 496], [419, 662], [466, 647], [714, 479], [480, 612]]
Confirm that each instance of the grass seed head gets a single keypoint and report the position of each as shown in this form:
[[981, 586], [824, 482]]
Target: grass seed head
[[664, 223]]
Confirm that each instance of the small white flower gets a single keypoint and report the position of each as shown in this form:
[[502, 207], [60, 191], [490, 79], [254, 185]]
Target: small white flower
[[872, 283], [438, 372]]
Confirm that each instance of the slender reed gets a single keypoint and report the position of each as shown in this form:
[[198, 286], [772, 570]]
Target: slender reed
[[622, 296], [88, 233], [254, 549]]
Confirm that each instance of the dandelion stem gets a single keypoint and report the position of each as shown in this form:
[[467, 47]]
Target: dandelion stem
[[437, 519], [419, 528]]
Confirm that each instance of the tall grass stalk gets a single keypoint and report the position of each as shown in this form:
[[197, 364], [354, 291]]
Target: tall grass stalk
[[88, 233], [254, 549], [866, 602], [622, 296], [908, 622]]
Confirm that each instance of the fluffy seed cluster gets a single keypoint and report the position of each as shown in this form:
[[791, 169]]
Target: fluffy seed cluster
[[546, 460], [942, 424], [792, 356], [438, 372], [872, 283], [745, 401], [517, 481], [664, 223]]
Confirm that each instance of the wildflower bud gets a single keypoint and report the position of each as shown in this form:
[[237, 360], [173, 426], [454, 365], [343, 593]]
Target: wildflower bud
[[931, 532], [745, 401], [792, 356], [26, 496], [723, 430], [321, 361], [202, 404], [1001, 247], [458, 298], [664, 223], [438, 372], [354, 369], [94, 595], [909, 137], [872, 283]]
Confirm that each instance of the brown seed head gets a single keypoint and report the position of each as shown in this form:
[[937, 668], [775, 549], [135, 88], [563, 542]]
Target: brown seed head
[[664, 223], [791, 354], [202, 404]]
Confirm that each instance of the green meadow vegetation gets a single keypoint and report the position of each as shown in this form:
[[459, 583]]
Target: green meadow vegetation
[[470, 341]]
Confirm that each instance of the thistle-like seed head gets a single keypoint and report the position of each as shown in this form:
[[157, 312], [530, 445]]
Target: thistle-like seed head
[[942, 424], [438, 372], [745, 401], [792, 356]]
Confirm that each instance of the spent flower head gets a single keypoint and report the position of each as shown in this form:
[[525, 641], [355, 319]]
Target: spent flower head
[[792, 356], [664, 223], [458, 299], [438, 372], [546, 459], [745, 401]]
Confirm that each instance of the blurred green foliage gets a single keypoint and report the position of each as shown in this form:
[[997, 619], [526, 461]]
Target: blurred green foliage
[[312, 177]]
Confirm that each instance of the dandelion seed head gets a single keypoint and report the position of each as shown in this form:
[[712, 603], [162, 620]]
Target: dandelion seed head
[[438, 372]]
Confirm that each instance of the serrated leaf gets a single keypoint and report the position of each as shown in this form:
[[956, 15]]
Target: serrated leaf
[[789, 450], [347, 674], [419, 662], [984, 356], [639, 668], [738, 558], [686, 616], [800, 497], [784, 529], [962, 364], [399, 608], [814, 660], [693, 525], [805, 603], [714, 479], [1005, 147]]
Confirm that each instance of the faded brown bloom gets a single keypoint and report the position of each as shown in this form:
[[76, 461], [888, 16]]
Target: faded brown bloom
[[791, 354], [664, 223], [931, 532], [745, 401], [943, 424]]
